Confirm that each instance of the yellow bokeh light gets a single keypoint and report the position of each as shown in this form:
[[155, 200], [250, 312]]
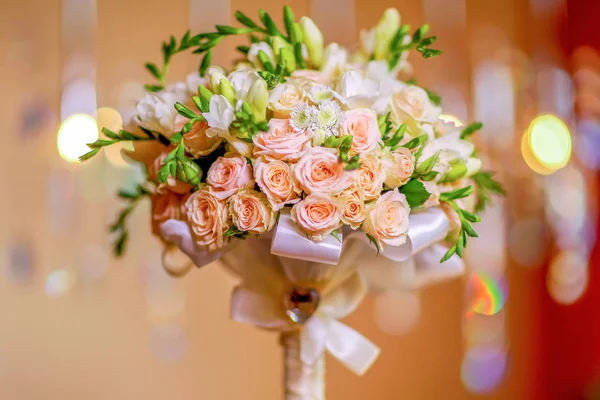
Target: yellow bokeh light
[[451, 118], [73, 135], [530, 159], [550, 141]]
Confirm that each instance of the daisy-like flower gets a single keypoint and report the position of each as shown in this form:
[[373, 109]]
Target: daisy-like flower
[[320, 93], [328, 116], [302, 117]]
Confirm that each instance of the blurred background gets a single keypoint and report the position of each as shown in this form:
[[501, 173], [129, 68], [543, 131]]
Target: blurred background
[[76, 324]]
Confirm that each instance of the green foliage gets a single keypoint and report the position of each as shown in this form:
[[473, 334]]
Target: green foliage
[[416, 142], [119, 227], [179, 166], [415, 193], [466, 218], [343, 144], [486, 186], [417, 41], [247, 125], [275, 77], [375, 243], [470, 129], [113, 137], [234, 232]]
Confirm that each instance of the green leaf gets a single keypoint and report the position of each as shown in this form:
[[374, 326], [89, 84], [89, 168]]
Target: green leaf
[[185, 111], [374, 241], [415, 193], [269, 24], [448, 254], [176, 138], [234, 231], [110, 134], [154, 88], [89, 154], [429, 176], [299, 56], [351, 166], [416, 142], [153, 70], [336, 235], [470, 129], [470, 216], [205, 63], [120, 243], [435, 98], [426, 166], [469, 229], [228, 30], [244, 20], [460, 244], [456, 194], [243, 49]]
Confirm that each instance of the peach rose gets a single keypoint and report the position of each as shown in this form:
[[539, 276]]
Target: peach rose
[[413, 102], [275, 181], [208, 219], [283, 98], [172, 184], [354, 210], [281, 142], [361, 123], [309, 75], [399, 167], [370, 177], [197, 143], [319, 171], [387, 219], [251, 212], [164, 207], [227, 175], [317, 215]]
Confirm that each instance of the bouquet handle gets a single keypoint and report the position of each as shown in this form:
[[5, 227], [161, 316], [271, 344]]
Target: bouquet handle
[[302, 381]]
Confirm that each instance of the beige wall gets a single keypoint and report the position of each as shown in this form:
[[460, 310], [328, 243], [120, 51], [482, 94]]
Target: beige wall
[[98, 340]]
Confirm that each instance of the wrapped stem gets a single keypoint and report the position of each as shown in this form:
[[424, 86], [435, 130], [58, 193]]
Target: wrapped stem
[[302, 381]]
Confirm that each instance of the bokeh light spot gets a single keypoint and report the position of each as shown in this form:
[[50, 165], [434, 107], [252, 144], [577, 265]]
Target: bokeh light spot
[[550, 141], [73, 135], [483, 368], [59, 282]]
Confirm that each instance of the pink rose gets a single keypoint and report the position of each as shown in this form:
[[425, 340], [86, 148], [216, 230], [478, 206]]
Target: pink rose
[[319, 171], [197, 143], [172, 184], [354, 210], [208, 219], [361, 123], [310, 75], [387, 219], [399, 167], [370, 177], [227, 175], [283, 98], [164, 207], [275, 181], [412, 103], [251, 212], [281, 142], [317, 215]]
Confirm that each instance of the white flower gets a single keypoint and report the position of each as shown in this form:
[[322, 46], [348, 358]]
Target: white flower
[[356, 91], [255, 48], [241, 81], [302, 117], [157, 113], [320, 93], [334, 56], [328, 116], [220, 116], [192, 81], [450, 147]]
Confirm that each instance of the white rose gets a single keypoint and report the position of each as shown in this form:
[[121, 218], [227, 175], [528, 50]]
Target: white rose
[[399, 166], [285, 97]]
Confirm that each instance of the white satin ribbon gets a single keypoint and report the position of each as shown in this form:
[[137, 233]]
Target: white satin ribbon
[[289, 241], [254, 303]]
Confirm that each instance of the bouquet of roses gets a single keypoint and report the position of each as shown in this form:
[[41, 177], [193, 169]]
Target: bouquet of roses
[[334, 138], [310, 147]]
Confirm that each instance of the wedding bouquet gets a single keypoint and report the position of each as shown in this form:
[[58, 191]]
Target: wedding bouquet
[[297, 146]]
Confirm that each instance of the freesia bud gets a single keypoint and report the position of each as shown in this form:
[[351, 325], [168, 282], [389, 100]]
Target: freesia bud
[[216, 74], [227, 90], [313, 39], [277, 44], [288, 58], [458, 170], [385, 31], [258, 97]]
